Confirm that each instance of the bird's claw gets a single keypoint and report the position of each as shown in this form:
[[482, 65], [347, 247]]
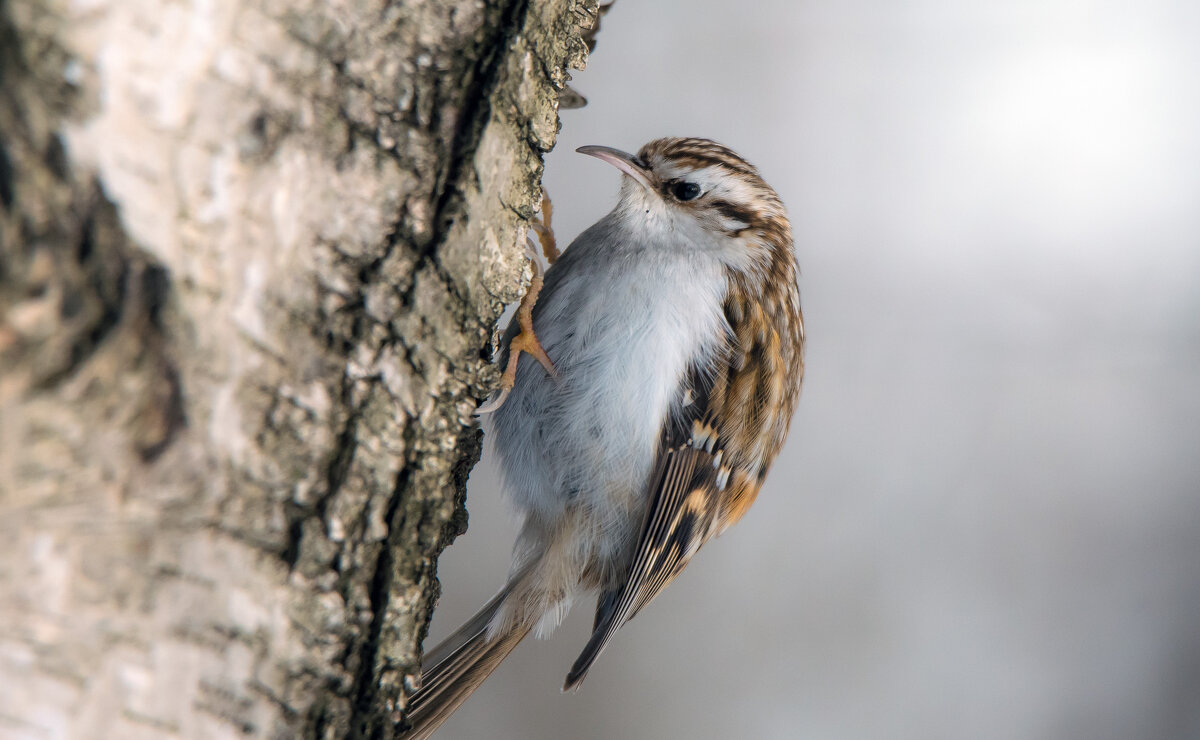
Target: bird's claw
[[494, 402]]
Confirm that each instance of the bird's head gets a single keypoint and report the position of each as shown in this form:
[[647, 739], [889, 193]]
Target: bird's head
[[698, 194]]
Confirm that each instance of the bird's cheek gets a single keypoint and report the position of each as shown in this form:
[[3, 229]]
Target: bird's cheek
[[739, 253], [633, 191]]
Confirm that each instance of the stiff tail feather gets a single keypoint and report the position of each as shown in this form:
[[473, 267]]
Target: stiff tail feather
[[456, 667]]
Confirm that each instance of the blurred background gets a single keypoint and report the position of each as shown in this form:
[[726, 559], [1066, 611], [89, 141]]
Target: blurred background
[[986, 522]]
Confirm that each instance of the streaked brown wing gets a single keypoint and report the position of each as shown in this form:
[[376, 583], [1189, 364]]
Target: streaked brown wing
[[687, 487]]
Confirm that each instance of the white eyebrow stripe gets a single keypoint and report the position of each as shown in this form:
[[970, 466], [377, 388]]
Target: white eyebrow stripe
[[707, 178]]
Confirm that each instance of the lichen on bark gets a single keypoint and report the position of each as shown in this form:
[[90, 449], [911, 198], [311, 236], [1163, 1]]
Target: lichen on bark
[[252, 258]]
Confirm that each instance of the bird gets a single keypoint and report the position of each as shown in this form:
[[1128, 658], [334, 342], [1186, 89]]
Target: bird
[[677, 345]]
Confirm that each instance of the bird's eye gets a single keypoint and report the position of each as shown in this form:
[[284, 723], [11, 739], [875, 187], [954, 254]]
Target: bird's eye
[[684, 190]]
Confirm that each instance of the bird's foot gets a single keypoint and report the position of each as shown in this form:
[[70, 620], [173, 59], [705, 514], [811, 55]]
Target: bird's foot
[[526, 340]]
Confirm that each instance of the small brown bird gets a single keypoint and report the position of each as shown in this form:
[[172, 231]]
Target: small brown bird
[[677, 342]]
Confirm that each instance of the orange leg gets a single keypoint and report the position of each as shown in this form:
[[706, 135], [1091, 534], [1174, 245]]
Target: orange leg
[[545, 230], [526, 340]]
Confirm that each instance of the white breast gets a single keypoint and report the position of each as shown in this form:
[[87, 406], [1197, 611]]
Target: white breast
[[622, 319]]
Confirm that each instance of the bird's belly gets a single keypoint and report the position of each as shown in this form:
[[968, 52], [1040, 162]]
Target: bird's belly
[[577, 451]]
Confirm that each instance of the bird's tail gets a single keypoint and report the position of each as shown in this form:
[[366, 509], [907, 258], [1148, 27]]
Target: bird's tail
[[457, 666]]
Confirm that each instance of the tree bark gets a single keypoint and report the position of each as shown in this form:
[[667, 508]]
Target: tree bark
[[251, 258]]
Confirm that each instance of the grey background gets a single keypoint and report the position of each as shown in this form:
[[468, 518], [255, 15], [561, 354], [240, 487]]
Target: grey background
[[986, 522]]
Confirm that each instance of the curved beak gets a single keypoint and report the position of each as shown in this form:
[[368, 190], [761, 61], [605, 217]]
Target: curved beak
[[626, 163]]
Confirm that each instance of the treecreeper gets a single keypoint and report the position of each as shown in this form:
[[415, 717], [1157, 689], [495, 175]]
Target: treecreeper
[[658, 373]]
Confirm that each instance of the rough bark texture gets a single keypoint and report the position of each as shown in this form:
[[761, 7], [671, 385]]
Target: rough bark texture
[[251, 256]]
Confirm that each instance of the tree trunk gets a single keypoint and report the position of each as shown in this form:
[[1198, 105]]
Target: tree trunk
[[251, 257]]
